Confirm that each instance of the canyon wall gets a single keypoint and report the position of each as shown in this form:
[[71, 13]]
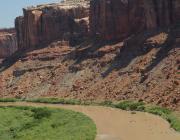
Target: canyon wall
[[8, 42], [117, 19], [72, 20], [46, 23]]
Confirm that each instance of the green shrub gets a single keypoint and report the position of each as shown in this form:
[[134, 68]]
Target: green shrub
[[174, 122], [72, 102], [158, 110], [47, 100], [8, 99], [106, 103], [55, 101], [40, 113], [166, 114], [130, 105]]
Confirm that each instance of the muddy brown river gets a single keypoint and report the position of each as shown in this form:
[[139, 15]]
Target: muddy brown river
[[116, 124]]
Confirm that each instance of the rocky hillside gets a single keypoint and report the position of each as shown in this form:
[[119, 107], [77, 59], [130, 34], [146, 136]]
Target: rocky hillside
[[126, 52], [145, 70]]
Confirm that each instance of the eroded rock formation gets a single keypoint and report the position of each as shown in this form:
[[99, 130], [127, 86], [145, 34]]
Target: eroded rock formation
[[8, 43], [109, 19], [46, 23], [117, 19]]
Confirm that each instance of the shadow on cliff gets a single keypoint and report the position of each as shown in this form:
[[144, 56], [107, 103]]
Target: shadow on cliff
[[89, 50], [133, 47], [136, 46], [8, 62], [21, 54], [18, 55]]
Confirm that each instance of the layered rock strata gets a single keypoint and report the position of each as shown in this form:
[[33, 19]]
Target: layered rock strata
[[117, 19], [46, 23], [8, 43]]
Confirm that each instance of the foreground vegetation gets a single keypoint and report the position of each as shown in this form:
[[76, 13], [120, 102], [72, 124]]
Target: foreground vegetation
[[156, 110], [167, 114], [29, 123]]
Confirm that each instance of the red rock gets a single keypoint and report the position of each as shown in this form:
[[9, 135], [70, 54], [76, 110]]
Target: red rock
[[117, 19], [8, 43], [47, 23]]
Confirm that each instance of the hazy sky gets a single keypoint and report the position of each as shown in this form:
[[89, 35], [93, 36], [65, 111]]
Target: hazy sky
[[9, 9]]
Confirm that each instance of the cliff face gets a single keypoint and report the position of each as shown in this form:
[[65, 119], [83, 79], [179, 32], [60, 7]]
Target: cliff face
[[8, 43], [109, 19], [117, 19], [46, 23], [144, 67]]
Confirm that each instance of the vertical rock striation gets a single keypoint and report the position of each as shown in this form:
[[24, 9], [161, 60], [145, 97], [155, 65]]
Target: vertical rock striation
[[8, 42], [46, 23], [109, 19], [117, 19]]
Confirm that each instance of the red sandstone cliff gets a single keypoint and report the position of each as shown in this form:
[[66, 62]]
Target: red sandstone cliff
[[109, 19], [117, 19], [144, 67], [8, 43], [46, 23]]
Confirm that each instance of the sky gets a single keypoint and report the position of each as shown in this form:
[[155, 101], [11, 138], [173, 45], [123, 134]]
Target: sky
[[10, 9]]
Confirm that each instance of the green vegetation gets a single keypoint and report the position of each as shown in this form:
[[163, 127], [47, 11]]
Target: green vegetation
[[167, 114], [8, 100], [129, 105], [29, 123], [55, 101], [50, 101], [160, 111]]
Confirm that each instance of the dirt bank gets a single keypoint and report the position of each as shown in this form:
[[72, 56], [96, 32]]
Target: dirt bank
[[97, 71]]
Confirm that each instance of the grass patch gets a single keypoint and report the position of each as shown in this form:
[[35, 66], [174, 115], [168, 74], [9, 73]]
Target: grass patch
[[158, 110], [29, 123], [106, 103], [8, 100], [39, 113], [174, 121], [55, 101], [167, 114], [130, 105]]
